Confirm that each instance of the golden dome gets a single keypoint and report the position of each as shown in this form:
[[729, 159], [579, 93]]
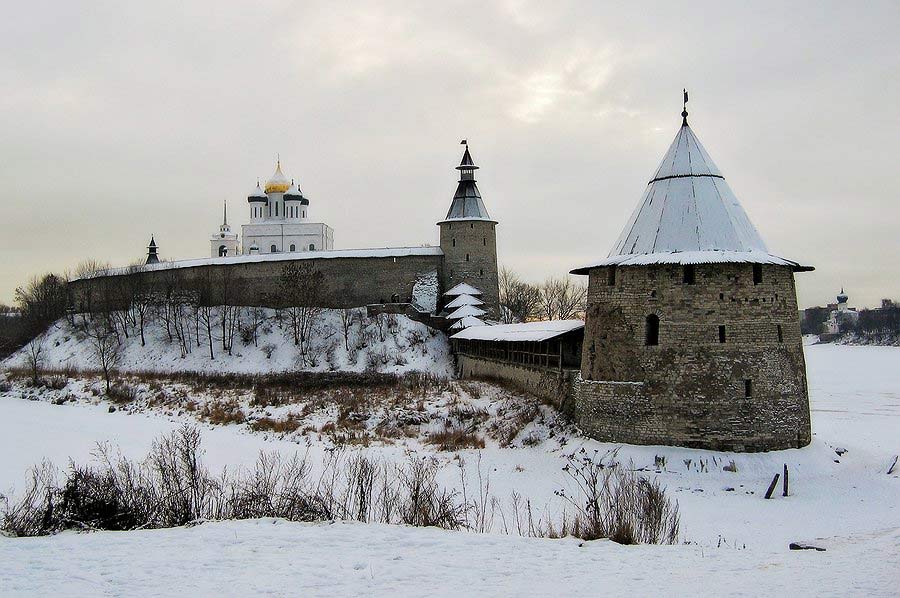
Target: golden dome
[[278, 183]]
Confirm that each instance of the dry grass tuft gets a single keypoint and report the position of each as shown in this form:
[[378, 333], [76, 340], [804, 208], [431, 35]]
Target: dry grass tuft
[[223, 412], [455, 439]]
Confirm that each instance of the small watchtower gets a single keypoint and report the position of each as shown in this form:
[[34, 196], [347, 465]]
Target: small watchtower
[[692, 333], [469, 240], [152, 252], [224, 243]]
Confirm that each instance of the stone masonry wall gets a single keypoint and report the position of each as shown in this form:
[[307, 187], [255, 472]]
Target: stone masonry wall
[[553, 386], [470, 255], [347, 282], [693, 387]]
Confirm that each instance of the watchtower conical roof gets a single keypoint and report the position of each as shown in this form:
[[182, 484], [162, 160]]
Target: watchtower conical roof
[[689, 215]]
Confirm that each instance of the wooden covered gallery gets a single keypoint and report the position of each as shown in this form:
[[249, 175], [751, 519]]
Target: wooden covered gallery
[[555, 344]]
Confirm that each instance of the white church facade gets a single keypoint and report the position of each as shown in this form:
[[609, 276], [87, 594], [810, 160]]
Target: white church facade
[[280, 222]]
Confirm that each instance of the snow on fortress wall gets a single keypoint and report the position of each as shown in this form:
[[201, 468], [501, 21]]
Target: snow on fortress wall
[[351, 278], [727, 372]]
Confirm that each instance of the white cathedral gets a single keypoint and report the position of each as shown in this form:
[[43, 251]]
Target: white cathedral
[[279, 222]]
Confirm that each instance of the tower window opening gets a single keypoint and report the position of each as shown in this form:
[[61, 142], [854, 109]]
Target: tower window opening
[[688, 274], [273, 249], [312, 246], [748, 388], [454, 242], [721, 296], [757, 273], [304, 213], [721, 334], [780, 334], [611, 276], [276, 209], [293, 247], [481, 272], [472, 225], [467, 257], [484, 241], [652, 332]]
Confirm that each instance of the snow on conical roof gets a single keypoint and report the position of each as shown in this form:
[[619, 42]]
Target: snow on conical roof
[[465, 310], [257, 194], [294, 194], [689, 215], [468, 322], [463, 289], [464, 300]]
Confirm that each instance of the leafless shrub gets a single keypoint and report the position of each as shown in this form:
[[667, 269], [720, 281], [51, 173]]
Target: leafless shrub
[[122, 394], [423, 502], [56, 382], [506, 429], [33, 514], [619, 504], [35, 358]]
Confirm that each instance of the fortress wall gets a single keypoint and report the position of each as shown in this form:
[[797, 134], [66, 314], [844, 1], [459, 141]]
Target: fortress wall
[[693, 386], [551, 385], [347, 281]]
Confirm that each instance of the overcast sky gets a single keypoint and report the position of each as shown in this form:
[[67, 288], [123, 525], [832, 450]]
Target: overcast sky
[[124, 119]]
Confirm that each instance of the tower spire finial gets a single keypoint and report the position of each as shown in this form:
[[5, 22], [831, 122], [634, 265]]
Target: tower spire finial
[[684, 112], [225, 212]]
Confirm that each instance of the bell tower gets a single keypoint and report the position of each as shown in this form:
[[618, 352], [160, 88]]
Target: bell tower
[[469, 240], [224, 243]]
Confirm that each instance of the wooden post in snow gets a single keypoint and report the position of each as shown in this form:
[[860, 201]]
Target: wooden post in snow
[[784, 488], [772, 486]]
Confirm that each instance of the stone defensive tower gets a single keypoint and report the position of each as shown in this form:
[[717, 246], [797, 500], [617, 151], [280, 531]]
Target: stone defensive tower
[[692, 332], [469, 240]]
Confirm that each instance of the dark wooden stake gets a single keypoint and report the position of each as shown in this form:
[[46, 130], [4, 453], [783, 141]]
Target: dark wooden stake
[[772, 486], [784, 487], [893, 465]]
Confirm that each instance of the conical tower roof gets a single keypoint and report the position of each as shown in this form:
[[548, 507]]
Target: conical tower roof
[[689, 215], [467, 203]]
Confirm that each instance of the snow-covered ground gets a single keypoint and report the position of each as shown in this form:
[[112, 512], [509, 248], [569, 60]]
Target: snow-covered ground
[[386, 343], [737, 542]]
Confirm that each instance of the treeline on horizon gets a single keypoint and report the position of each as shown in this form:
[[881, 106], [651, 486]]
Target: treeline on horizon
[[871, 322]]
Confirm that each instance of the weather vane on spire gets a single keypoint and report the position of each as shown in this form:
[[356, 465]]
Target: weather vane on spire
[[684, 112]]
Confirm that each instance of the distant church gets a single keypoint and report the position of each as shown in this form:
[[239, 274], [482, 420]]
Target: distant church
[[456, 281], [279, 222]]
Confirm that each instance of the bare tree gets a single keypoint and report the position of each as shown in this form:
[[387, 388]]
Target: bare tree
[[300, 294], [347, 320], [41, 302], [519, 300], [34, 358], [105, 348], [562, 299]]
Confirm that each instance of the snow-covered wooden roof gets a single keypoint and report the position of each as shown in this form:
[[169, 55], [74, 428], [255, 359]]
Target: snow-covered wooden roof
[[689, 215], [462, 289], [464, 300], [464, 311], [467, 322], [526, 332]]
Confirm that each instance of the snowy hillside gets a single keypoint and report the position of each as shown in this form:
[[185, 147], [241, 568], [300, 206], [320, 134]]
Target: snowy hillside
[[841, 495], [263, 342]]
